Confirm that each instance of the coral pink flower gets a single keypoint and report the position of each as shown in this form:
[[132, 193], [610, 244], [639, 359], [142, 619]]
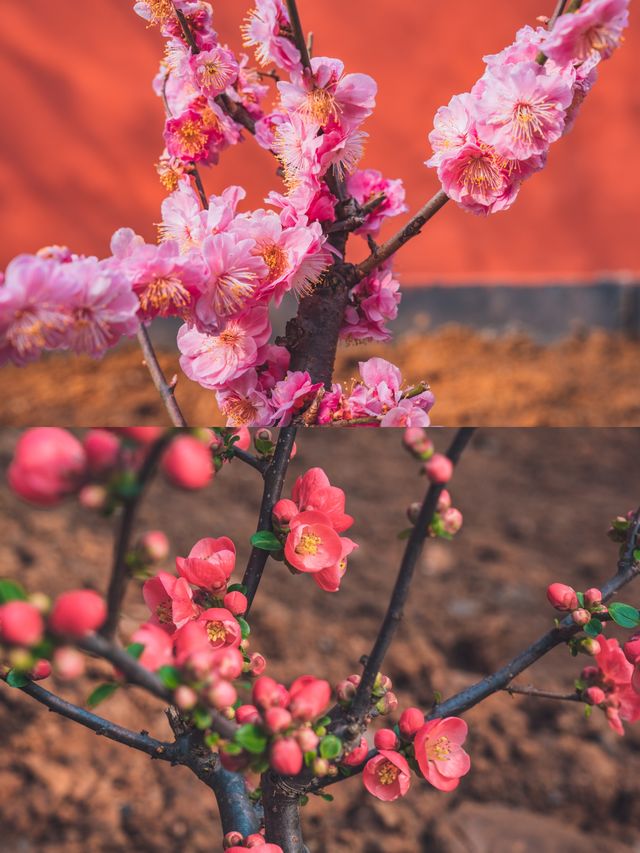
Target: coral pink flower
[[268, 29], [209, 565], [312, 544], [357, 754], [213, 360], [614, 676], [329, 579], [595, 28], [21, 624], [439, 753], [313, 491], [158, 646], [284, 511], [77, 613], [213, 70], [291, 395], [523, 109], [237, 603], [187, 463], [268, 693], [277, 719], [286, 756], [309, 697], [170, 601], [48, 463], [221, 626], [387, 775], [234, 273]]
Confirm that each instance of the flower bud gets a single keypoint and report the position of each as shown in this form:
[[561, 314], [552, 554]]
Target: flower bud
[[233, 763], [221, 695], [416, 441], [286, 757], [41, 670], [320, 767], [154, 546], [439, 469], [562, 597], [185, 698], [592, 596], [21, 623], [247, 714], [307, 739], [236, 602], [231, 839], [345, 691], [581, 617], [354, 679], [589, 673], [267, 693], [631, 648], [451, 520], [68, 663], [385, 739], [187, 463], [277, 719], [444, 501], [102, 448], [48, 464], [387, 703], [309, 697], [410, 721], [142, 435], [413, 511], [77, 613], [264, 435], [590, 646], [283, 513], [21, 658], [594, 695], [254, 840], [357, 754], [93, 496], [257, 664]]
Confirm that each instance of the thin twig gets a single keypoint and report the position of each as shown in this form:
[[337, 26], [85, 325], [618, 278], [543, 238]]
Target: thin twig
[[559, 10], [165, 390], [514, 689], [298, 33], [260, 465], [273, 483], [362, 700], [197, 180]]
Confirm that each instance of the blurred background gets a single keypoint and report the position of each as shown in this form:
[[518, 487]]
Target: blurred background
[[536, 505], [82, 130]]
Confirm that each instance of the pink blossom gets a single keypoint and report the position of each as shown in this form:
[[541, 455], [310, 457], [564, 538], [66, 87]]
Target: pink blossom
[[209, 565], [525, 48], [244, 402], [387, 775], [268, 693], [170, 600], [158, 646], [595, 28], [615, 675], [215, 359], [562, 597], [267, 28], [188, 136], [523, 109], [234, 274], [213, 70], [439, 753], [48, 463], [410, 412], [187, 463], [439, 469], [77, 613], [313, 491], [21, 624], [309, 697], [297, 143], [291, 395], [366, 184], [309, 201], [221, 626], [286, 756], [372, 303], [329, 579], [312, 544], [453, 127], [478, 179]]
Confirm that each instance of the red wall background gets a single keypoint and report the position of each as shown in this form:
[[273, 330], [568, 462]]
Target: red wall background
[[81, 129]]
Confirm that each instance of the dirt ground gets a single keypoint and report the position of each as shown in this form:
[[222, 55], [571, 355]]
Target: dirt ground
[[536, 505], [586, 380]]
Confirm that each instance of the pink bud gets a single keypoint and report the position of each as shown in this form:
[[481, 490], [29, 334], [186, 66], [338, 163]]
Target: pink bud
[[307, 739], [286, 757], [354, 679], [48, 464], [93, 496], [309, 697], [562, 597], [595, 695], [68, 663], [385, 739], [154, 546], [143, 435], [410, 721], [320, 767], [439, 469], [233, 763], [631, 648], [345, 691], [244, 438], [77, 613], [277, 719], [416, 441], [185, 697], [589, 673], [247, 714], [41, 670], [232, 838], [357, 755], [267, 693], [255, 840], [387, 703], [103, 450], [257, 664], [187, 463], [222, 694], [21, 623], [592, 596], [451, 520], [581, 616], [590, 646], [283, 512], [236, 602], [444, 501]]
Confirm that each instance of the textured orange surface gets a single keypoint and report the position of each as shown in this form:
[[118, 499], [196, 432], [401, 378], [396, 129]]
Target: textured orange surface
[[81, 130]]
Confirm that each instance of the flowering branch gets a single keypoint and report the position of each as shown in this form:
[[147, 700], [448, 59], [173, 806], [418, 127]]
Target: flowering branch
[[273, 483], [120, 572], [362, 701], [165, 389], [298, 33]]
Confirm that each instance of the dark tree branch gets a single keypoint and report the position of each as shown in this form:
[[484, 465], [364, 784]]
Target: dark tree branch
[[273, 482], [298, 34], [120, 573], [165, 390], [362, 700], [514, 689], [260, 465], [281, 814]]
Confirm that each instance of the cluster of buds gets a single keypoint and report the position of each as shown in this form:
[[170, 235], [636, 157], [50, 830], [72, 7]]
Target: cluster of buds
[[585, 609], [619, 528], [234, 842], [383, 699]]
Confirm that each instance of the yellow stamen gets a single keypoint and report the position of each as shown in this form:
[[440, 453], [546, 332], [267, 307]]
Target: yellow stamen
[[388, 773], [163, 294], [308, 544], [216, 631]]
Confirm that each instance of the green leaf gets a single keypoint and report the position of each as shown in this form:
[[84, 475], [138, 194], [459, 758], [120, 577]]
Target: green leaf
[[102, 692], [135, 650], [624, 615], [16, 679], [245, 628], [11, 591], [169, 676], [237, 587], [231, 748], [251, 738], [636, 555], [588, 711], [304, 799], [330, 747], [201, 718], [593, 628], [580, 597], [266, 541], [263, 446], [327, 797], [324, 721]]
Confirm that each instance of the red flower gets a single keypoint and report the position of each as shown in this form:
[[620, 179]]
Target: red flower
[[312, 544], [439, 753], [387, 775], [210, 564]]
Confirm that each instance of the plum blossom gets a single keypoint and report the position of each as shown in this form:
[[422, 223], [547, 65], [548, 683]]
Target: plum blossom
[[595, 28], [365, 185], [291, 395], [234, 272], [268, 29], [453, 127], [245, 401], [213, 70], [373, 302]]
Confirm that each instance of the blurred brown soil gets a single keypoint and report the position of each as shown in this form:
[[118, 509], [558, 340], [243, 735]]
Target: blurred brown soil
[[536, 506], [585, 380]]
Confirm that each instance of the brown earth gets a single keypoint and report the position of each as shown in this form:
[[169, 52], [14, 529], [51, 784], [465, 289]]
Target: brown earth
[[81, 130], [536, 506], [587, 380]]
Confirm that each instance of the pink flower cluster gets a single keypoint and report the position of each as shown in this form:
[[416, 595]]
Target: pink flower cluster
[[309, 525], [488, 141], [609, 684]]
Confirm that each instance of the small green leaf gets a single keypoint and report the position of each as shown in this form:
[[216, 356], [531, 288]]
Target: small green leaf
[[330, 747], [327, 797], [588, 711], [102, 692], [580, 597], [593, 628], [231, 748], [245, 628], [16, 679], [135, 650], [624, 615], [309, 758], [304, 799], [266, 541], [636, 555], [11, 591], [324, 721], [169, 676], [237, 587], [201, 718], [263, 446], [251, 738]]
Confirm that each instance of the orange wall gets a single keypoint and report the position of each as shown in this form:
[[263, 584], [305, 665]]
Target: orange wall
[[81, 129]]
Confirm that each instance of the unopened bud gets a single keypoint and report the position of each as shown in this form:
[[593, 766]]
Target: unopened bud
[[590, 646], [153, 546], [592, 596], [345, 691], [385, 739], [232, 839], [387, 703], [562, 597], [581, 617], [185, 698], [321, 766], [93, 496], [413, 511], [594, 695]]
